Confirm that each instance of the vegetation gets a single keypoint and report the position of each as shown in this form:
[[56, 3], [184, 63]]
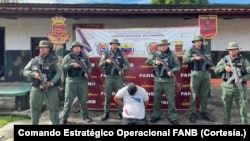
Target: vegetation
[[7, 119], [164, 2]]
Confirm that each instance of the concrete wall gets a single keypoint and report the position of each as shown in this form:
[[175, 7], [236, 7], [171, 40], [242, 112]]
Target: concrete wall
[[18, 33]]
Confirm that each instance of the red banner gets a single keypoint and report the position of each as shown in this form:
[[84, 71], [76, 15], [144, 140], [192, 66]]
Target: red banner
[[208, 26], [140, 74]]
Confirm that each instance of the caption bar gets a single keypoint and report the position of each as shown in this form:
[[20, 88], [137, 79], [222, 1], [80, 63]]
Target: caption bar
[[97, 132]]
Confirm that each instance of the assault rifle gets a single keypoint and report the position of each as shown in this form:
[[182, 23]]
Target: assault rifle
[[84, 69], [43, 76], [116, 66], [236, 77], [165, 67], [208, 61]]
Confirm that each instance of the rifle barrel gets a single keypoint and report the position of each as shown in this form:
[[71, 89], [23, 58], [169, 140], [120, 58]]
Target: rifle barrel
[[165, 66], [236, 79]]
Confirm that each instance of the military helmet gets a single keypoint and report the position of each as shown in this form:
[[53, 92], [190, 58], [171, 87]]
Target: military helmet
[[163, 42], [114, 41], [76, 44], [44, 43], [197, 38], [232, 45]]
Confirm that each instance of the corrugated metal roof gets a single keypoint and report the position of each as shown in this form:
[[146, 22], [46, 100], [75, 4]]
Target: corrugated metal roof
[[101, 9]]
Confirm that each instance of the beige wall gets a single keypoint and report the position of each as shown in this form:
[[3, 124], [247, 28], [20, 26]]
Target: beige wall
[[18, 31]]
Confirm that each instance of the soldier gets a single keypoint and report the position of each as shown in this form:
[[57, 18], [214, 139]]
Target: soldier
[[164, 80], [115, 63], [77, 66], [230, 91], [200, 77], [44, 74]]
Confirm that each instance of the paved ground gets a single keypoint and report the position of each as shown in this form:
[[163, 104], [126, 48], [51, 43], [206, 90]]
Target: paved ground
[[214, 107]]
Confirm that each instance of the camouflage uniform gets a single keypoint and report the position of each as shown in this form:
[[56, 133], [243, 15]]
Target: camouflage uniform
[[38, 93], [200, 78], [230, 91], [162, 82], [113, 78], [76, 83]]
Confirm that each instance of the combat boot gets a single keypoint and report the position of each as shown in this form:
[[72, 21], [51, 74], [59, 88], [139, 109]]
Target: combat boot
[[105, 116], [154, 119], [206, 116], [87, 119], [63, 121], [193, 117], [174, 122], [120, 116]]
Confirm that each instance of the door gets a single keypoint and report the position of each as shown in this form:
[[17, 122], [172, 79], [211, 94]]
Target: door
[[2, 49]]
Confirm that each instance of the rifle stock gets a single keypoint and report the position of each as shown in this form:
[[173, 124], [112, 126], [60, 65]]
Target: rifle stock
[[84, 69], [116, 66], [165, 66], [83, 66], [43, 82], [43, 77], [205, 58], [236, 78]]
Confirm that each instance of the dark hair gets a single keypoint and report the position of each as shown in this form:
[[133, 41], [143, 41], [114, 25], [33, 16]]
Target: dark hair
[[132, 89]]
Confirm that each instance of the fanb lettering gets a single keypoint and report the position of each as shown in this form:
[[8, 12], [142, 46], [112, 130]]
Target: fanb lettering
[[185, 132]]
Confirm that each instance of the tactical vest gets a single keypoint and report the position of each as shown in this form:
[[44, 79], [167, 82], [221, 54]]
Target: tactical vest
[[74, 72], [165, 56], [199, 65], [110, 68], [48, 70], [238, 64]]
